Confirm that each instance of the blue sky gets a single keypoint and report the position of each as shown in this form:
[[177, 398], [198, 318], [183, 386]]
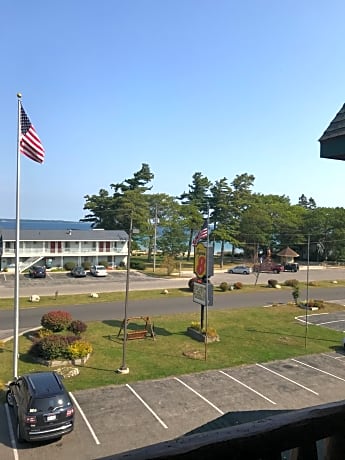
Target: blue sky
[[221, 87]]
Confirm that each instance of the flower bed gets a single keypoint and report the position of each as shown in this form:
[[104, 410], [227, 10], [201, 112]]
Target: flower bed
[[201, 336]]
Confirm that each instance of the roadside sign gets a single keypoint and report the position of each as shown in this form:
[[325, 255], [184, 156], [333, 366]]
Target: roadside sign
[[203, 260], [200, 291]]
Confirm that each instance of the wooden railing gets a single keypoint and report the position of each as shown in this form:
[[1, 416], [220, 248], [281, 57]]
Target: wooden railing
[[314, 433]]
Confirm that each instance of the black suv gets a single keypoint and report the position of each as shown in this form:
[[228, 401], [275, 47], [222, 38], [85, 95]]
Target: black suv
[[37, 271], [42, 406], [292, 267]]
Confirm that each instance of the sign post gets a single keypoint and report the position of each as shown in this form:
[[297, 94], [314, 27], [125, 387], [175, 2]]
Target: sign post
[[203, 268]]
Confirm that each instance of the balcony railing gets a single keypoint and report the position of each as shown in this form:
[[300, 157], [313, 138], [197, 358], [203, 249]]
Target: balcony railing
[[314, 433], [70, 251]]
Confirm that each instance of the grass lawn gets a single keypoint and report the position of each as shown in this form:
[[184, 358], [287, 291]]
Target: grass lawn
[[246, 336]]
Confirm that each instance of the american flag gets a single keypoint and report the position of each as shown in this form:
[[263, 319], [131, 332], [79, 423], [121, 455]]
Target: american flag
[[30, 144], [202, 234]]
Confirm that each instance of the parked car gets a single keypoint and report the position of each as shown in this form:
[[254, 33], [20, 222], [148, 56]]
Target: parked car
[[78, 272], [241, 270], [37, 271], [98, 270], [291, 267], [42, 406]]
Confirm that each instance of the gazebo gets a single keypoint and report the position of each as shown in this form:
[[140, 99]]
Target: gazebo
[[332, 142], [287, 255]]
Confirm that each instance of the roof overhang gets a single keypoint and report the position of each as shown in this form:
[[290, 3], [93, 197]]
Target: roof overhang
[[332, 142]]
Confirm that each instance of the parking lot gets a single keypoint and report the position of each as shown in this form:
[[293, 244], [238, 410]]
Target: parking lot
[[115, 419]]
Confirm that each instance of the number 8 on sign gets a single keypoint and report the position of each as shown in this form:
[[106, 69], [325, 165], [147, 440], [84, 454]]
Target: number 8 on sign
[[201, 267], [200, 260]]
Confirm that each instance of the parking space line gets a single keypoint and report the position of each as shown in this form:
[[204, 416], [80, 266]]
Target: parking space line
[[286, 378], [93, 434], [10, 429], [332, 356], [249, 388], [200, 396], [324, 372], [147, 407]]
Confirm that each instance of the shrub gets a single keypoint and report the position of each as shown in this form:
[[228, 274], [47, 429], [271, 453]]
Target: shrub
[[295, 294], [211, 332], [139, 265], [79, 349], [86, 265], [272, 283], [224, 286], [68, 266], [103, 262], [291, 283], [195, 325], [43, 333], [238, 285], [315, 304], [53, 347], [56, 321], [77, 327]]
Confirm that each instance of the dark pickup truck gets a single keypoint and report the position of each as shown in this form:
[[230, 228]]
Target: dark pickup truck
[[292, 267], [265, 267]]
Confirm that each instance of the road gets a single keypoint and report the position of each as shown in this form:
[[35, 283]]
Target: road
[[30, 317]]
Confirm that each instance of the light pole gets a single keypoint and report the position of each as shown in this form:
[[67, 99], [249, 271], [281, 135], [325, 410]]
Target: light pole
[[124, 369]]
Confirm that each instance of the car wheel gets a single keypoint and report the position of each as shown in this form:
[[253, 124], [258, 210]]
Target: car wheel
[[245, 273], [230, 271], [10, 398], [19, 433]]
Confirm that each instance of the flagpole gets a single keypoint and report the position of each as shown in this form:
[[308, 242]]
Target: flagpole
[[207, 278], [16, 281]]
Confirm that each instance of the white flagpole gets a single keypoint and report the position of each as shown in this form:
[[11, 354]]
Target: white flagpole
[[16, 281]]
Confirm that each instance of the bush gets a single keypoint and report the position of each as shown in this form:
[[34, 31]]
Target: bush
[[138, 265], [238, 285], [295, 294], [272, 283], [224, 286], [79, 349], [68, 266], [43, 333], [77, 327], [53, 347], [103, 262], [315, 304], [56, 321], [86, 265], [291, 283]]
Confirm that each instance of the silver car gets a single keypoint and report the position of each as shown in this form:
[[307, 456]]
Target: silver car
[[241, 270], [98, 270]]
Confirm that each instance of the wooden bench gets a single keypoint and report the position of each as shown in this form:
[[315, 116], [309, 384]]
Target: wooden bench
[[132, 335]]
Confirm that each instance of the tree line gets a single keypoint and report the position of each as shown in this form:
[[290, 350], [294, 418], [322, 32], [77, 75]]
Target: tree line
[[251, 222]]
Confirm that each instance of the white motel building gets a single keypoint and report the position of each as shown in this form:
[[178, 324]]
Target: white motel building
[[54, 248]]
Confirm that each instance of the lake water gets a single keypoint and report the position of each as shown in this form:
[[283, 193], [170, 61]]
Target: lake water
[[29, 224]]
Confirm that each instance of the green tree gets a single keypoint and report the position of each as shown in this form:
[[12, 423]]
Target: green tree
[[112, 212], [197, 198]]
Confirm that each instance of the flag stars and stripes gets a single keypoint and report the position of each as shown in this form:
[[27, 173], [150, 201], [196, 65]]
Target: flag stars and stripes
[[30, 144], [202, 234]]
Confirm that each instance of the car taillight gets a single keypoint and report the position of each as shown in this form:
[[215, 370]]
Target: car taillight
[[69, 412], [30, 420]]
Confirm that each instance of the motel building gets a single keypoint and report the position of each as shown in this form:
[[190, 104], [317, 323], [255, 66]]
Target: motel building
[[54, 248]]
